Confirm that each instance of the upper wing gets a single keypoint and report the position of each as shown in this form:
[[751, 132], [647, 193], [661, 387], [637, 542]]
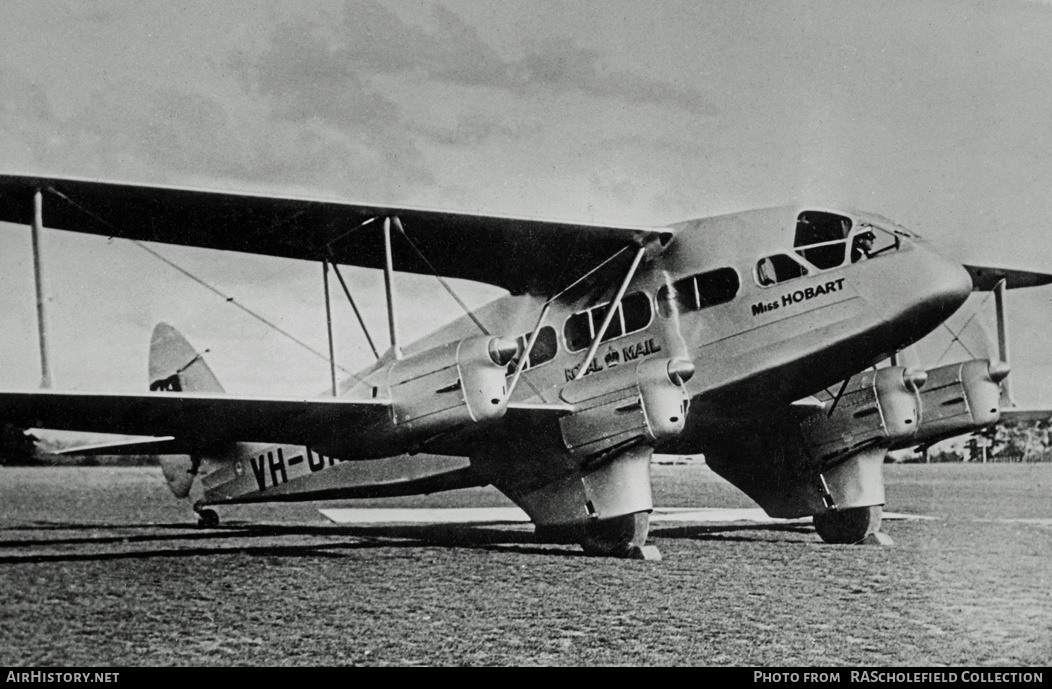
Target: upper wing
[[517, 254], [196, 420]]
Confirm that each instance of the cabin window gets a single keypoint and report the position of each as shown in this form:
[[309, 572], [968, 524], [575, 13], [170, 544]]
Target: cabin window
[[778, 268], [635, 309], [633, 315], [821, 238], [613, 330], [699, 291], [578, 331], [544, 349]]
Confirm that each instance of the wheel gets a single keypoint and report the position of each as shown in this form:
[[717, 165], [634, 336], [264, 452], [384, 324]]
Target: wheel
[[207, 519], [618, 537], [849, 526]]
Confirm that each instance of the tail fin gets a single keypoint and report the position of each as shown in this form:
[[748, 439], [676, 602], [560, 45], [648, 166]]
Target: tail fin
[[175, 366]]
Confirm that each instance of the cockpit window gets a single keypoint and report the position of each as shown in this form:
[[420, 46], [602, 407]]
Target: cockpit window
[[869, 241], [821, 238], [778, 268]]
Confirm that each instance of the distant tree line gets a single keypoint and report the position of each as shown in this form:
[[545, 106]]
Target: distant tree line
[[1021, 441], [1006, 442]]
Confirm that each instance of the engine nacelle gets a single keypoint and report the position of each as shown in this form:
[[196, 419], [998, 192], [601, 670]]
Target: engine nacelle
[[449, 386], [959, 398], [646, 400], [432, 393], [879, 407]]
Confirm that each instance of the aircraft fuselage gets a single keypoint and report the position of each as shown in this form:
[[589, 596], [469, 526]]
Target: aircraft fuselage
[[771, 305]]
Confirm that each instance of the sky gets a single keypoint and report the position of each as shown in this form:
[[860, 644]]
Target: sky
[[935, 114]]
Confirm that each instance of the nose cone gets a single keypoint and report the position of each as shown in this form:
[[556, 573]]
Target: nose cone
[[950, 285], [942, 285], [915, 290]]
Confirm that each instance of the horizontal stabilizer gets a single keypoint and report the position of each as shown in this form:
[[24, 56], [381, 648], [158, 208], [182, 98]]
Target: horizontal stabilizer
[[985, 278], [136, 446]]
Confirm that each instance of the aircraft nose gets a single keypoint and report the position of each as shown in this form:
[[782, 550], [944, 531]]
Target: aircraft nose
[[947, 284], [922, 290]]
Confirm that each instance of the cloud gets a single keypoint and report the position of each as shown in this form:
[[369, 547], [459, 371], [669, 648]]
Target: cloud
[[553, 65], [306, 78], [24, 117], [133, 130], [368, 70]]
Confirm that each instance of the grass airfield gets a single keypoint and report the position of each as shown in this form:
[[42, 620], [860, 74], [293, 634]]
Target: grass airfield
[[101, 566]]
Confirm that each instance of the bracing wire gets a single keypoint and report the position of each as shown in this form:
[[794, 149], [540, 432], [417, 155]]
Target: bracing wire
[[956, 335], [203, 283], [441, 279]]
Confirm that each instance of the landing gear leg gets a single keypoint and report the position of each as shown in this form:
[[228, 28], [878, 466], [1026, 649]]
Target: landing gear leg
[[206, 518], [855, 525], [623, 537]]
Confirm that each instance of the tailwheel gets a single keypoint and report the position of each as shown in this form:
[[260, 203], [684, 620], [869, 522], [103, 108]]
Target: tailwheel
[[207, 519], [855, 525], [622, 537]]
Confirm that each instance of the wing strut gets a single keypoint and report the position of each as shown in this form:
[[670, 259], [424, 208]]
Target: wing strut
[[328, 325], [36, 227], [525, 357], [1002, 333], [389, 287], [611, 312]]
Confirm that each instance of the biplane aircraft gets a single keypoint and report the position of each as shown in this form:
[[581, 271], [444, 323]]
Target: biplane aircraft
[[752, 338]]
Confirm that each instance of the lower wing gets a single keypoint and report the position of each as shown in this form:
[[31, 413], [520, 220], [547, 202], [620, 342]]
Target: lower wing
[[185, 423], [195, 420]]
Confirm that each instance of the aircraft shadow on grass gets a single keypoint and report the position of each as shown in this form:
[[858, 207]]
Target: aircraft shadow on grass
[[387, 536], [718, 532], [509, 538]]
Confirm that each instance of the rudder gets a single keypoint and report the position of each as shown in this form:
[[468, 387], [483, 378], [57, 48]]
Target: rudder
[[175, 366]]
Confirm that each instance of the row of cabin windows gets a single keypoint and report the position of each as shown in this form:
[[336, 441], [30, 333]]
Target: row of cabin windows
[[633, 314]]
